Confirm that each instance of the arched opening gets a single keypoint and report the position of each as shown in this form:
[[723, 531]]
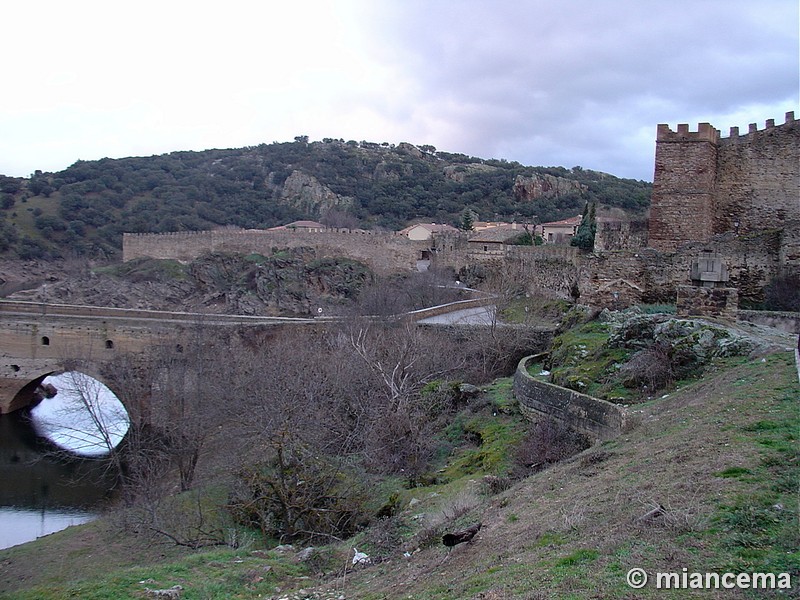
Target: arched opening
[[45, 340], [74, 411], [109, 344], [47, 486], [79, 414]]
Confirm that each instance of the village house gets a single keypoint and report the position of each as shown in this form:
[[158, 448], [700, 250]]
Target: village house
[[492, 242], [560, 232], [425, 231]]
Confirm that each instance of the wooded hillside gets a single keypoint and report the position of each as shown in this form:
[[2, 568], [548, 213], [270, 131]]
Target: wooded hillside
[[84, 209]]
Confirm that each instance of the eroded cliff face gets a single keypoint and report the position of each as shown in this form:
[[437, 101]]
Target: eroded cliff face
[[545, 186], [290, 282], [306, 194]]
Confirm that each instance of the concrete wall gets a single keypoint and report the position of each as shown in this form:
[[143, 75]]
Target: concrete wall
[[596, 418]]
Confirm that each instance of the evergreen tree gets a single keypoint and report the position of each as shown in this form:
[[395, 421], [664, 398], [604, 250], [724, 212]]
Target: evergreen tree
[[584, 236], [468, 219]]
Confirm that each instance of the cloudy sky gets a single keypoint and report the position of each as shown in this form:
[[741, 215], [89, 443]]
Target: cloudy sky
[[542, 82]]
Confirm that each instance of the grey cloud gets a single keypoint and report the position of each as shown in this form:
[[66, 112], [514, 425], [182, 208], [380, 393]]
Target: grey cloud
[[566, 77]]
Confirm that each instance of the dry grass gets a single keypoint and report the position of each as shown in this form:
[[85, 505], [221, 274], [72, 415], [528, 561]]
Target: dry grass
[[574, 530], [577, 528]]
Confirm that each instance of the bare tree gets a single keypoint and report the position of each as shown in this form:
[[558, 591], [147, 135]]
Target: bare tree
[[90, 420], [402, 358]]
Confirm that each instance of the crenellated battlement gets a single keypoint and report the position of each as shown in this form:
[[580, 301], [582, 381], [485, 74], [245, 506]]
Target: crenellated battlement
[[737, 185], [753, 127], [705, 133]]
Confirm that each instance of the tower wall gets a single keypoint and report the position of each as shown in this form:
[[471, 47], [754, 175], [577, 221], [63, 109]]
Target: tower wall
[[705, 185], [682, 206]]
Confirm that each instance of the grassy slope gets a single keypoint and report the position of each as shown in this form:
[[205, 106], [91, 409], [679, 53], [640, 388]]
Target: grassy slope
[[574, 531], [721, 455]]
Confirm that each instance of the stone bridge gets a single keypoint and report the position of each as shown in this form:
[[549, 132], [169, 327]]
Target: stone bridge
[[39, 339]]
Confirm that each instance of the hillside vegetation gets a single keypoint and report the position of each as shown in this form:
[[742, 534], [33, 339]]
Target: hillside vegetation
[[84, 209], [706, 481]]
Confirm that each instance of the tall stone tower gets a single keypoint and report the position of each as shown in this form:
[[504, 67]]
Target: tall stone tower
[[682, 206]]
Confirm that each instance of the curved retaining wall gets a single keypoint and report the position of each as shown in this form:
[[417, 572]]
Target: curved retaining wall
[[596, 418], [785, 321]]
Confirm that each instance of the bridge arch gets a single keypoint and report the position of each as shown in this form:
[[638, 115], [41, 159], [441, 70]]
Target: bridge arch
[[25, 393], [75, 410]]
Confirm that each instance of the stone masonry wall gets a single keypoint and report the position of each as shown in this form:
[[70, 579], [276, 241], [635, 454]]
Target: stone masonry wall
[[650, 276], [682, 203], [596, 418], [621, 235], [382, 252], [706, 185], [758, 180], [695, 301]]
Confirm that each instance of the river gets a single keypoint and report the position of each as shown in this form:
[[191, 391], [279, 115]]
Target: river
[[52, 468]]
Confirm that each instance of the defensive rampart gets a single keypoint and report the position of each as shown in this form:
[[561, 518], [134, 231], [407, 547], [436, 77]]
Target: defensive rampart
[[383, 252], [593, 417], [706, 185], [619, 279]]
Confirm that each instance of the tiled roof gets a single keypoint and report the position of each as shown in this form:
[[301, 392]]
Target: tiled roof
[[564, 222], [498, 234]]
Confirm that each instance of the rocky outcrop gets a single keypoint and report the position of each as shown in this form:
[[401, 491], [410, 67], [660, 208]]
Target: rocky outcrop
[[290, 282], [305, 193], [460, 173], [545, 186]]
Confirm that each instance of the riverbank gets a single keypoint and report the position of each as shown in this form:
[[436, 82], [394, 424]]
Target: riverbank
[[719, 456]]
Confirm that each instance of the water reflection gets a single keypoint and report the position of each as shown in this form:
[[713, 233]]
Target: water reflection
[[21, 525], [42, 491], [83, 417]]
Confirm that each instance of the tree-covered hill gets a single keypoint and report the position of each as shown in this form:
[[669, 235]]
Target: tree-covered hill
[[84, 209]]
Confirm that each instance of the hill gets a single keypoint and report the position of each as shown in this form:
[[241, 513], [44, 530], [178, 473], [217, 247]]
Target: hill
[[706, 482], [84, 209]]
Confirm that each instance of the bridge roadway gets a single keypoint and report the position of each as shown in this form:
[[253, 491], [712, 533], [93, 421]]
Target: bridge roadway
[[37, 339]]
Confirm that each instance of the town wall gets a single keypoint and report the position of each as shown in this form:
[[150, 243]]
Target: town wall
[[622, 278], [383, 252], [620, 235], [706, 185], [736, 197], [682, 201]]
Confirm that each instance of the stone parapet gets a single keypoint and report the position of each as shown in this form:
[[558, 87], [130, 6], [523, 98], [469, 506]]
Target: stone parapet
[[593, 417], [783, 320], [693, 301]]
